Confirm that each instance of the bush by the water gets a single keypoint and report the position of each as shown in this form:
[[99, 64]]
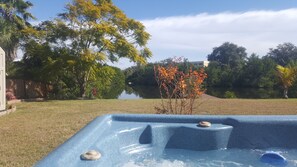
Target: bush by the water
[[230, 95]]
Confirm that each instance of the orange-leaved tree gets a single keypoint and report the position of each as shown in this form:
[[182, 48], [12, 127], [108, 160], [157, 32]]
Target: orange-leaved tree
[[178, 89]]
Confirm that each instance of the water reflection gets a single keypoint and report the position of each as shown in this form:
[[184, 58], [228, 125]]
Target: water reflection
[[151, 92], [245, 93], [140, 92], [114, 92], [128, 95]]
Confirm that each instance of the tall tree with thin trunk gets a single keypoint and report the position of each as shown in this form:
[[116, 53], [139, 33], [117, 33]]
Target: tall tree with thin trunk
[[14, 17]]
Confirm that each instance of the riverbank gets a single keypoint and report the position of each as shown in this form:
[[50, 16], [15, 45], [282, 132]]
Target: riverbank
[[36, 128]]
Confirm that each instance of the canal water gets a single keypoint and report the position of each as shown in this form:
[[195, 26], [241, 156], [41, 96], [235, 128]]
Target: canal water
[[150, 92]]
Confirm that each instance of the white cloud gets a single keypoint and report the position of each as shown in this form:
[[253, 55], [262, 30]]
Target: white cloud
[[194, 36]]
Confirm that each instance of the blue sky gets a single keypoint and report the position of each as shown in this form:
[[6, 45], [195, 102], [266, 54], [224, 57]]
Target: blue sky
[[191, 28], [150, 9]]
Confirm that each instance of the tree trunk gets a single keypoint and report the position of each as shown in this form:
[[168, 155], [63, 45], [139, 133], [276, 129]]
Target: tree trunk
[[286, 93], [82, 83], [82, 88]]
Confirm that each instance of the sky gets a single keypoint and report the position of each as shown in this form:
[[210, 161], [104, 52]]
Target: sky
[[192, 28]]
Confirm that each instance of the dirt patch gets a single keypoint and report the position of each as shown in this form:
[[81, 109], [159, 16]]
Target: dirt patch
[[206, 96]]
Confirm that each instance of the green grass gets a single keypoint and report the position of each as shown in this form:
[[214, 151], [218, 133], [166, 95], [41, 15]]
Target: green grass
[[36, 128]]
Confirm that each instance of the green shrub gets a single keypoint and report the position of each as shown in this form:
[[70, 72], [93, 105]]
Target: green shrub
[[230, 95]]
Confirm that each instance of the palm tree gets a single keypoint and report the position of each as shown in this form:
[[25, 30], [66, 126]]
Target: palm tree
[[13, 18], [287, 76]]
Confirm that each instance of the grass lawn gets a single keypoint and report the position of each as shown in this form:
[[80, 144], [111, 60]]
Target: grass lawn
[[36, 128]]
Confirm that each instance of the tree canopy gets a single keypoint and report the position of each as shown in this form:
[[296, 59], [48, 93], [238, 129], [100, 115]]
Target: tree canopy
[[14, 17], [226, 65], [229, 54], [284, 53], [85, 37]]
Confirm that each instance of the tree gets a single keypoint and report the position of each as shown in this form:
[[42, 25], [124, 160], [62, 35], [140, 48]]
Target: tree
[[259, 72], [283, 54], [219, 75], [229, 54], [110, 83], [14, 17], [226, 65], [252, 71], [90, 33], [213, 72], [141, 75], [287, 76], [145, 75]]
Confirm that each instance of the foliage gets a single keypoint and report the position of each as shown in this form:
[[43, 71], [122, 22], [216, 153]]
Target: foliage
[[107, 81], [230, 95], [109, 84], [141, 75], [287, 76], [144, 74], [180, 89], [86, 36], [40, 59], [229, 54], [14, 18], [283, 54], [258, 72], [230, 67], [219, 75], [227, 62]]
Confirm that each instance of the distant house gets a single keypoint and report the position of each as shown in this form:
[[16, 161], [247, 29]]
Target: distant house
[[200, 63]]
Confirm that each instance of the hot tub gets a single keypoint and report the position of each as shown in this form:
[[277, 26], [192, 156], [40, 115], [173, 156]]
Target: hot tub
[[169, 140]]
